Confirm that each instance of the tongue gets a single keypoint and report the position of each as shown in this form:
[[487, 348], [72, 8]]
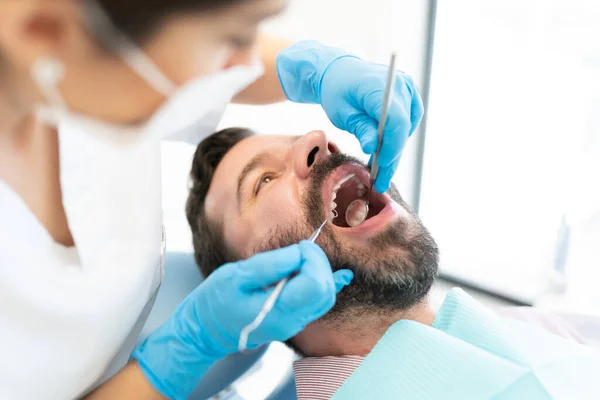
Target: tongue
[[356, 212]]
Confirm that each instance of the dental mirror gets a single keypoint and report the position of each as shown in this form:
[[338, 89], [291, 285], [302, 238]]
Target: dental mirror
[[357, 212]]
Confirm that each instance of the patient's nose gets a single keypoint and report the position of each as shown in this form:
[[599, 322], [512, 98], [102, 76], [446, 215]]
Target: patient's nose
[[309, 149]]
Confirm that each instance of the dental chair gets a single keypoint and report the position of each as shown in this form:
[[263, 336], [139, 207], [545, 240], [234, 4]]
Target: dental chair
[[181, 277]]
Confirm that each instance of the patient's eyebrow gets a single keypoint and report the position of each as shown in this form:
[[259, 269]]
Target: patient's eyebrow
[[256, 162], [253, 164]]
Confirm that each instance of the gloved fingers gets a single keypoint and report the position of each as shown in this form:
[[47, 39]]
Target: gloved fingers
[[354, 120], [372, 95], [265, 269], [313, 288], [385, 175], [342, 278], [365, 129], [398, 124], [395, 134], [371, 99]]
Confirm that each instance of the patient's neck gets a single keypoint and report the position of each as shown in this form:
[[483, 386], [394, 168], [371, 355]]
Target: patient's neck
[[356, 333]]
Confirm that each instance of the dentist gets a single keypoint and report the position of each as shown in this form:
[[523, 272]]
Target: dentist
[[88, 89]]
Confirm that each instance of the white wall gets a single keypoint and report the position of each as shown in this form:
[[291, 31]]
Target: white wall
[[513, 145]]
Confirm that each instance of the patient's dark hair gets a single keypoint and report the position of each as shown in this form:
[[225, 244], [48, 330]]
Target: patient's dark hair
[[210, 249]]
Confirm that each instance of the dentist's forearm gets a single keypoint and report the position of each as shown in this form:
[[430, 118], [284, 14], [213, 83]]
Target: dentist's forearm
[[267, 88], [129, 383]]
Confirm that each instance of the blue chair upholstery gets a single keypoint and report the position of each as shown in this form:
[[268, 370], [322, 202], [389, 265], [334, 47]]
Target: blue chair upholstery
[[181, 277]]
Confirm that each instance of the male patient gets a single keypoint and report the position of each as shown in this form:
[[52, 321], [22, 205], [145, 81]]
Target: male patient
[[256, 193]]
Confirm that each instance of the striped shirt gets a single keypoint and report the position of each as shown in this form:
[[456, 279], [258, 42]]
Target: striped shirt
[[318, 378]]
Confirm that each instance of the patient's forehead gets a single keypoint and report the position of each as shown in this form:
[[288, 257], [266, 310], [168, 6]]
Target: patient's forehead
[[222, 194]]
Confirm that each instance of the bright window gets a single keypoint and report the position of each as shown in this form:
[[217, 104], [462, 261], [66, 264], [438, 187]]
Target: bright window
[[512, 173]]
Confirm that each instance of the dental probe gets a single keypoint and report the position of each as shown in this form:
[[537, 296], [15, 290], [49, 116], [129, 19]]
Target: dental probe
[[387, 102], [272, 299]]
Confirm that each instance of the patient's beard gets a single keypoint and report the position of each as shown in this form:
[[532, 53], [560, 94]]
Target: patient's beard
[[394, 274]]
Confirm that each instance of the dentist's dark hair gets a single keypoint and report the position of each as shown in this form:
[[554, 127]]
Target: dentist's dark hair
[[210, 249], [139, 19]]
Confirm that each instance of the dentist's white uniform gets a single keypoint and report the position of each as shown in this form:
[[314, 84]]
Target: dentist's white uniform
[[69, 317]]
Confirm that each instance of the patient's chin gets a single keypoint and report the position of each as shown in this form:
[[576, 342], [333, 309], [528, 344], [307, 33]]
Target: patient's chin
[[388, 265], [394, 273], [399, 241]]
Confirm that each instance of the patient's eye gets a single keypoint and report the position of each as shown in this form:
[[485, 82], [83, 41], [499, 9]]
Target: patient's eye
[[262, 182]]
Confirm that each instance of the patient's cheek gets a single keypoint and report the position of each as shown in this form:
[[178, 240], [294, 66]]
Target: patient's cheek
[[276, 214], [253, 230], [280, 210], [276, 209]]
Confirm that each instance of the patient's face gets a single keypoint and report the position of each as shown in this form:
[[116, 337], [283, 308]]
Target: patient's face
[[272, 191]]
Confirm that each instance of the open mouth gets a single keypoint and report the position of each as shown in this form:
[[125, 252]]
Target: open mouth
[[346, 191]]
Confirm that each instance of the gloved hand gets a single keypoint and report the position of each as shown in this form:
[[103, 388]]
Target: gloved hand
[[207, 325], [351, 92]]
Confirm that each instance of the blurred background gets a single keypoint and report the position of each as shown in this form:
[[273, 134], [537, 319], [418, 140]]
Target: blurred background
[[505, 168]]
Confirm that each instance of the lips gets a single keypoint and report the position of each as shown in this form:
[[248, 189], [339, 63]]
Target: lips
[[348, 183]]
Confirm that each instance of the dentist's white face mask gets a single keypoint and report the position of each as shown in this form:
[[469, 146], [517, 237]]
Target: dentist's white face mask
[[192, 110]]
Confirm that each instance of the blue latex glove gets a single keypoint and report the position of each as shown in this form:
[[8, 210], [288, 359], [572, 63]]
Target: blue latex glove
[[207, 325], [351, 92]]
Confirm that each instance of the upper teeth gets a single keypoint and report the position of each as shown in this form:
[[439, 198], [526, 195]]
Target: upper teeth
[[360, 189], [342, 181]]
